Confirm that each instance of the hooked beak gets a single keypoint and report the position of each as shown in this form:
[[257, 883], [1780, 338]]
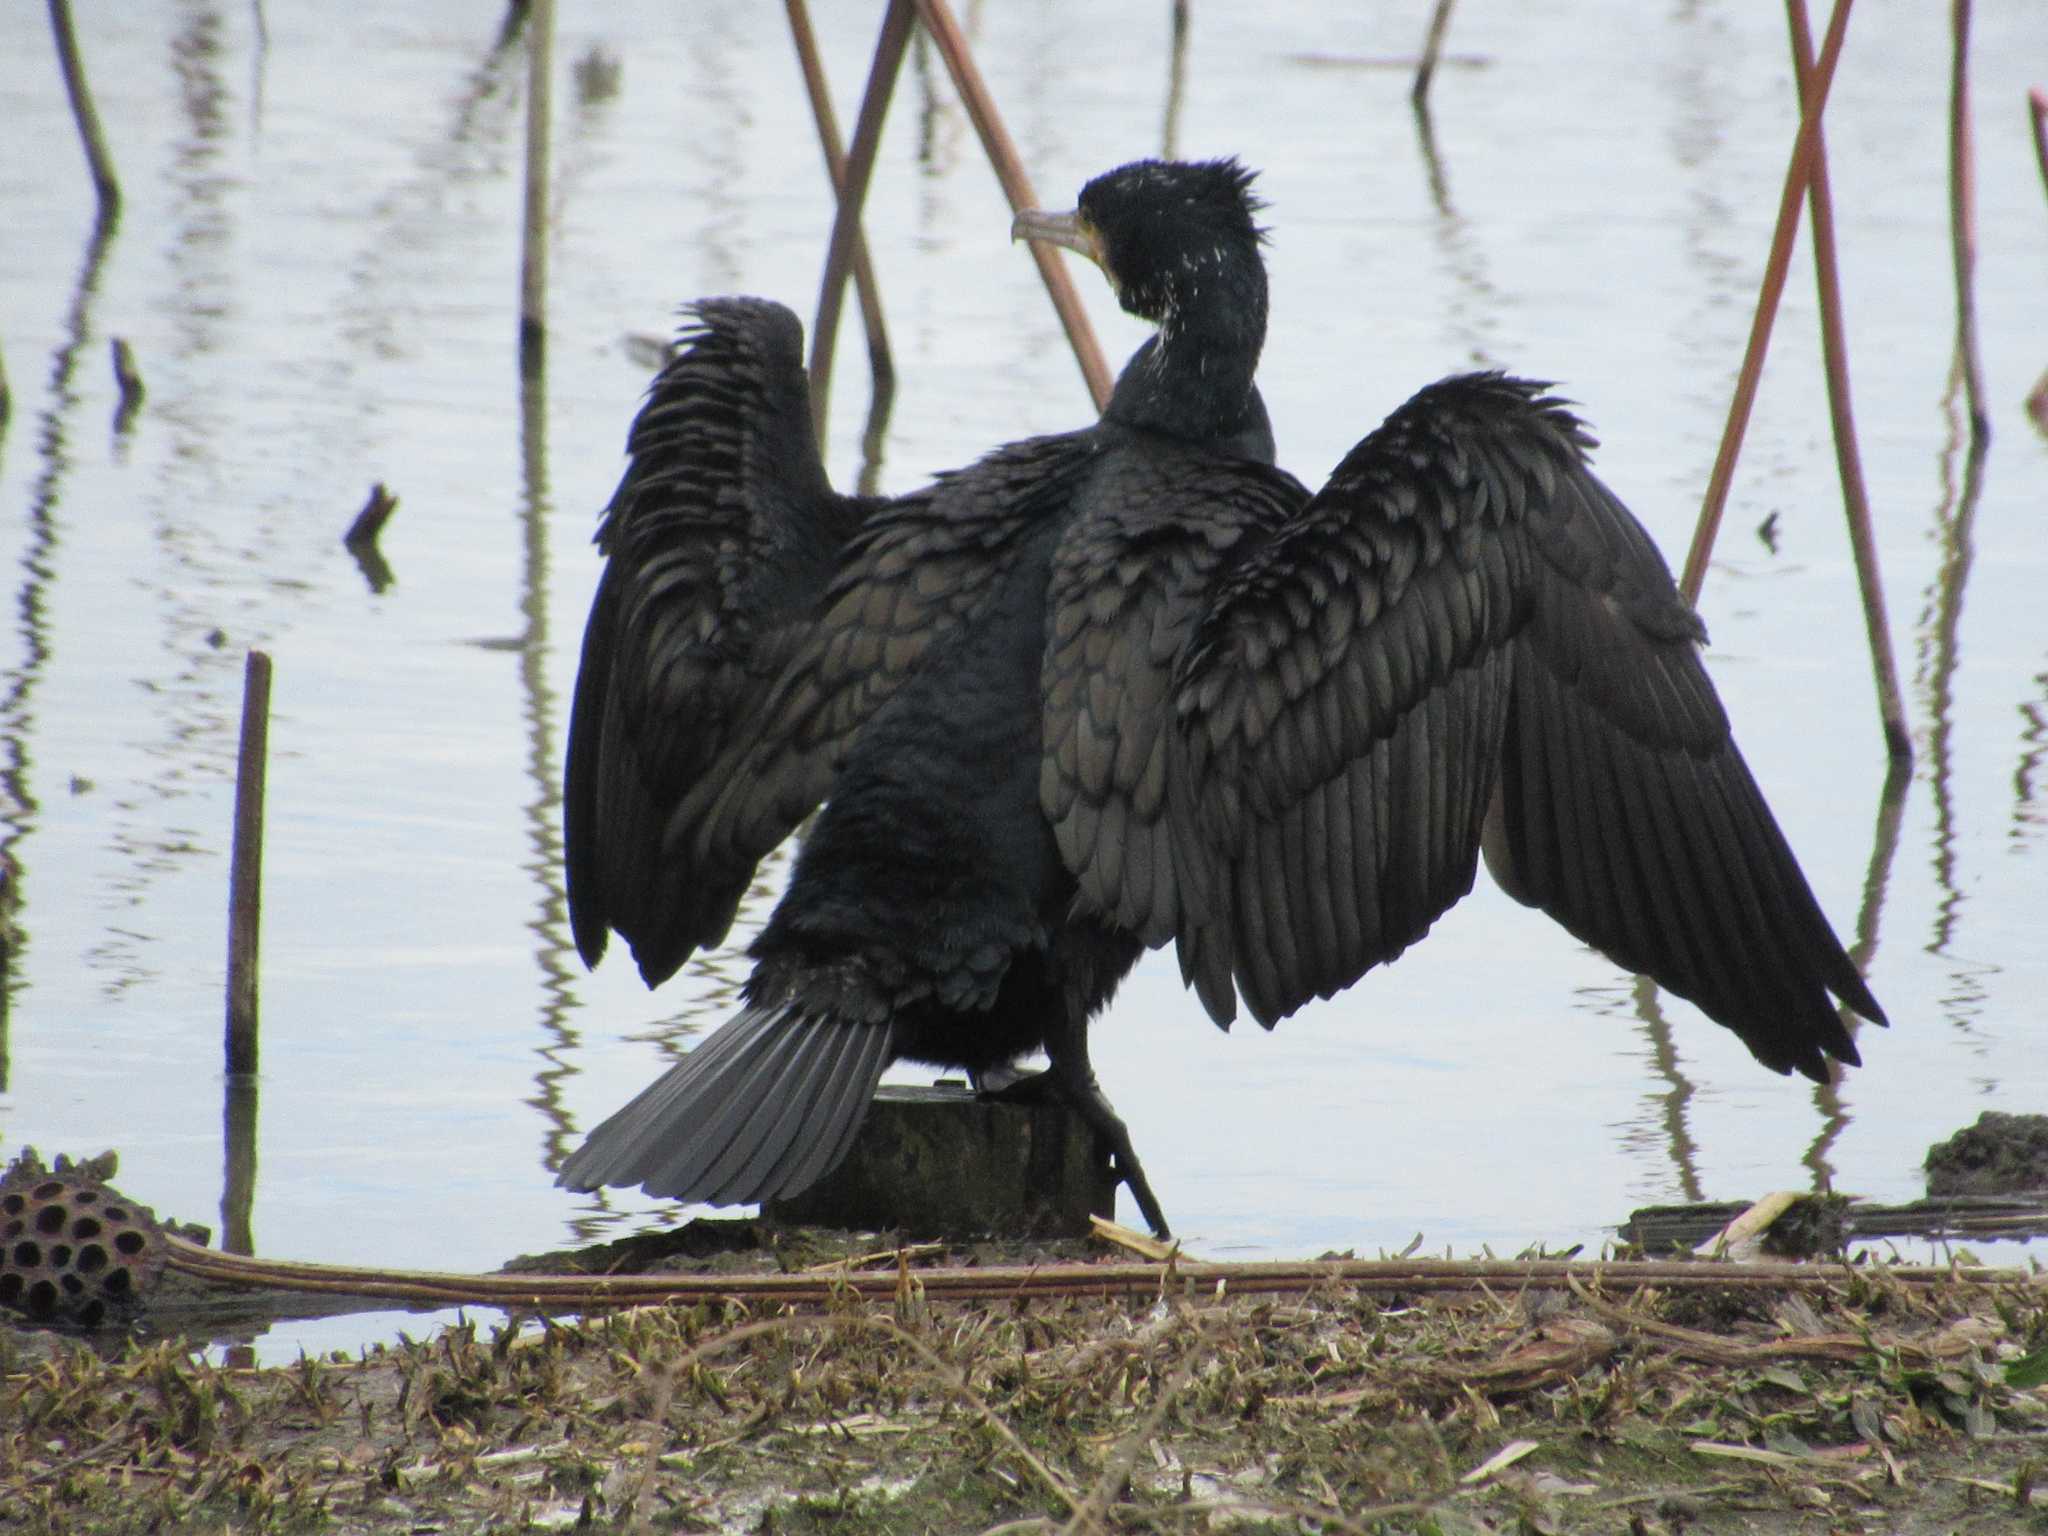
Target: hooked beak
[[1068, 229]]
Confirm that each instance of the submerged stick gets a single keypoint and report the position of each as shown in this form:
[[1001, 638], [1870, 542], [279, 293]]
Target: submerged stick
[[1848, 460], [1797, 175], [370, 521], [82, 110], [533, 244], [245, 879]]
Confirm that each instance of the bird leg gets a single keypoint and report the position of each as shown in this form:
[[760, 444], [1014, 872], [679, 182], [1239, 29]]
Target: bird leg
[[1070, 1080]]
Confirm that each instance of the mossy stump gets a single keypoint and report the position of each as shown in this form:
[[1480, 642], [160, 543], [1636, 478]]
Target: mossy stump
[[942, 1162]]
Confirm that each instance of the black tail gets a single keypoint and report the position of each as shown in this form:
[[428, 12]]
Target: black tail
[[766, 1107]]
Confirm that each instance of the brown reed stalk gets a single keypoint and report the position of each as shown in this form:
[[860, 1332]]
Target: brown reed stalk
[[245, 878], [1848, 460], [1797, 175], [865, 287], [887, 64]]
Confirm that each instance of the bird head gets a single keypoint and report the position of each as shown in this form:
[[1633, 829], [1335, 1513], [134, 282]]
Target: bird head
[[1163, 232]]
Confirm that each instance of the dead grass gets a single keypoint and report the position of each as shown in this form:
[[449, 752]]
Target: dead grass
[[1870, 1406]]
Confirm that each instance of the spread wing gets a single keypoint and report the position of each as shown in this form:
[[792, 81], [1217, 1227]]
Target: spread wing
[[1625, 809], [718, 542], [1462, 633]]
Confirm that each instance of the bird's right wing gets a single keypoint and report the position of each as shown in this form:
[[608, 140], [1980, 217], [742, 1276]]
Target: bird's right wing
[[718, 543]]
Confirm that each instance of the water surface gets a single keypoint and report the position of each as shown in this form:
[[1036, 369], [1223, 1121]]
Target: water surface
[[317, 268]]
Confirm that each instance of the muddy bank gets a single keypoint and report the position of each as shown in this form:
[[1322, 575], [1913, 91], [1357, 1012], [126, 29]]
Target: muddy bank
[[1862, 1404]]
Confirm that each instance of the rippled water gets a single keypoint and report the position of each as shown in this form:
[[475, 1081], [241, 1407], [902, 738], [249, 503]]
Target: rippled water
[[317, 268]]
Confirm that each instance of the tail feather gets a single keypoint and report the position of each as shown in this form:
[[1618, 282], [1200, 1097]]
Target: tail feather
[[764, 1108], [838, 1111], [762, 1136]]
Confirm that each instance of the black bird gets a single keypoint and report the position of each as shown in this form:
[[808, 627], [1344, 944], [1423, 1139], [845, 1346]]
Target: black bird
[[1128, 686]]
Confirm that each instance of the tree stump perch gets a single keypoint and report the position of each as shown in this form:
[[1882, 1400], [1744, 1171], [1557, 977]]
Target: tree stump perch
[[943, 1162]]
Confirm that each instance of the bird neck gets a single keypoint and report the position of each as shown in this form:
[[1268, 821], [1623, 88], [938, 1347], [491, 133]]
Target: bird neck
[[1193, 379]]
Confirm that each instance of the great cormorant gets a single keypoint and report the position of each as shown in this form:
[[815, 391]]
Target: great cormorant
[[1128, 686]]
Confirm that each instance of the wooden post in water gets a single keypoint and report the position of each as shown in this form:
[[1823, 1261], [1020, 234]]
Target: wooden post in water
[[245, 879], [238, 1165]]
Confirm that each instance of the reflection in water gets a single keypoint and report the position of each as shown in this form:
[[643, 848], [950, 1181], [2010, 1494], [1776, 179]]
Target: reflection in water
[[550, 922], [19, 811], [412, 219], [2027, 816], [1884, 844], [1704, 122], [1475, 303], [181, 732], [578, 150], [720, 191], [1670, 1105], [259, 64], [1938, 658]]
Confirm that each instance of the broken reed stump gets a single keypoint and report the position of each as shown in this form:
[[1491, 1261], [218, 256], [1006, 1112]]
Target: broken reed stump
[[245, 879], [361, 538], [944, 1162]]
